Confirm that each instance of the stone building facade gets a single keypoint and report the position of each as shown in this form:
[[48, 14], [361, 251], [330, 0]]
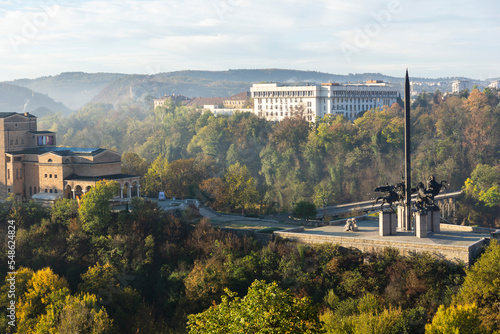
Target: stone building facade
[[31, 163]]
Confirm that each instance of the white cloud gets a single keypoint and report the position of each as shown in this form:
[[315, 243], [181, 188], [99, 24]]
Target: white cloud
[[133, 35]]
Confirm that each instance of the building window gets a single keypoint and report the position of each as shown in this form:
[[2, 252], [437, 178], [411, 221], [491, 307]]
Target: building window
[[50, 160], [17, 173], [11, 142], [22, 141], [46, 190], [45, 140], [16, 141], [45, 175], [55, 191], [50, 176], [55, 176], [8, 174], [34, 190], [50, 191]]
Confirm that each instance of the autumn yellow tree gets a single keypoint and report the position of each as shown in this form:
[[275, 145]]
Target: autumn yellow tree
[[456, 319], [48, 307]]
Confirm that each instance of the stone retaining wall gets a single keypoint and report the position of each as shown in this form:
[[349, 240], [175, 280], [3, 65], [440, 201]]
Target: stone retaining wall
[[459, 254]]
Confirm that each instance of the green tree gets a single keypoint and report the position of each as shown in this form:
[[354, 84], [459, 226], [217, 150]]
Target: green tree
[[491, 197], [482, 287], [155, 179], [305, 210], [64, 209], [133, 164], [323, 194], [240, 186], [265, 309], [184, 176], [213, 139], [94, 211], [484, 185]]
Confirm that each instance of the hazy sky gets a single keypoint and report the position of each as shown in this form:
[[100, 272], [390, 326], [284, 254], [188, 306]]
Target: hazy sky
[[436, 38]]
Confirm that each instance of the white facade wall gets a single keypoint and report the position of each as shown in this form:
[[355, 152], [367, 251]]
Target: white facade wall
[[460, 85], [495, 85], [275, 101]]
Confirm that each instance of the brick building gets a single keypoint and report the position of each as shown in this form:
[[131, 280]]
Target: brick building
[[30, 163]]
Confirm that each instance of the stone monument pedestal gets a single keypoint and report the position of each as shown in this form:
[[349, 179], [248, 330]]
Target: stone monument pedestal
[[387, 222], [421, 224], [433, 219], [401, 216]]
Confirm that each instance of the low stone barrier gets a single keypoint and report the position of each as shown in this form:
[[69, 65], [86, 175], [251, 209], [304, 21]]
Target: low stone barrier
[[459, 254]]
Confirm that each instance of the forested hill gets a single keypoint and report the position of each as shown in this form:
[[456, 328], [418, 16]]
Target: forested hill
[[140, 87], [76, 89]]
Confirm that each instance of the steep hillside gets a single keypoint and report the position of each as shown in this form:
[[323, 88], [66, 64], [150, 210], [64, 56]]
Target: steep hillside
[[19, 99]]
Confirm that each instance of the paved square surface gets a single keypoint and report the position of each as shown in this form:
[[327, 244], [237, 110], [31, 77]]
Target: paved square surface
[[369, 229]]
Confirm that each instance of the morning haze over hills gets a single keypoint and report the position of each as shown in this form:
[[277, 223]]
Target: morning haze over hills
[[69, 91]]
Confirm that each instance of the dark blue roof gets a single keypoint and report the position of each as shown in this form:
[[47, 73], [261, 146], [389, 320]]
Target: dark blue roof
[[62, 151], [71, 149], [41, 132]]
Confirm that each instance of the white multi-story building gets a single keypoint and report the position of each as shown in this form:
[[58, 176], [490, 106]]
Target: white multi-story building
[[275, 101], [460, 85], [495, 84]]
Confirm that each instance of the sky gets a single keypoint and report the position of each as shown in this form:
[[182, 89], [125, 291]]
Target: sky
[[440, 38]]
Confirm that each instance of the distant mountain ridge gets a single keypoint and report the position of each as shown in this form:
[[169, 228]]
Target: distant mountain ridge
[[20, 99], [75, 89]]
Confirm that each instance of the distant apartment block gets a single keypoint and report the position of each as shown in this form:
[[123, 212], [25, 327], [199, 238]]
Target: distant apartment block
[[495, 84], [275, 101], [460, 85]]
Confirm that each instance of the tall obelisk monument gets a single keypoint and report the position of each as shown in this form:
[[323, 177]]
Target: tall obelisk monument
[[408, 210]]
